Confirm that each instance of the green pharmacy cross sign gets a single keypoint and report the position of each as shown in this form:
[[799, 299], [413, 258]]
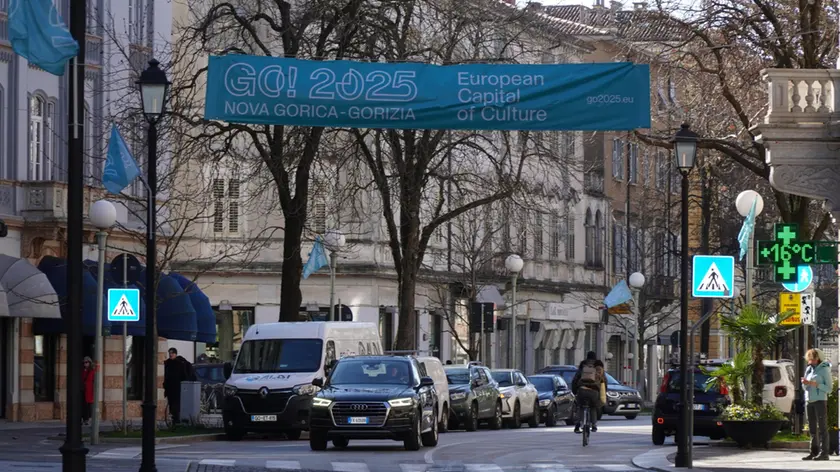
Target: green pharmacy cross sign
[[786, 252]]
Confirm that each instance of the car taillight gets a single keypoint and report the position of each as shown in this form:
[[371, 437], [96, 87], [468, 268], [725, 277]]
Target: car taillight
[[780, 391], [665, 381], [724, 389]]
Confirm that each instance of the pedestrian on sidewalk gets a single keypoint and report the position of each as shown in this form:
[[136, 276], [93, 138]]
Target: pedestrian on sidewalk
[[88, 375], [817, 383], [176, 369]]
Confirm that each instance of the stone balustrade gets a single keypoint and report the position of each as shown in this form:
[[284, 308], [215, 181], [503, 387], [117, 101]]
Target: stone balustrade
[[799, 96]]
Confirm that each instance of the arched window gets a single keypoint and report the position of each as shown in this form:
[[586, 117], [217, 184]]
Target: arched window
[[590, 238], [37, 119], [570, 233], [599, 239]]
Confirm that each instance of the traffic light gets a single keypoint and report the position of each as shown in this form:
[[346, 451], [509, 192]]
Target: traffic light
[[476, 311]]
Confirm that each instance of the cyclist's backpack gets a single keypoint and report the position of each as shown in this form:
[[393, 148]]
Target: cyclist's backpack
[[589, 375]]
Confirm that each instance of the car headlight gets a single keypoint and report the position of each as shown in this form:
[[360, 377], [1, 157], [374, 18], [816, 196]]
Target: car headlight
[[457, 396], [398, 402], [305, 389], [545, 402], [502, 396], [612, 394], [230, 390], [321, 402]]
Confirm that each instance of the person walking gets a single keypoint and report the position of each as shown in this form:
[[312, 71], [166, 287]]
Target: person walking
[[176, 369], [88, 376], [587, 385], [817, 383]]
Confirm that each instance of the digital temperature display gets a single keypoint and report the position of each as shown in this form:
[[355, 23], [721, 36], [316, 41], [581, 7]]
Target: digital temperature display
[[787, 252]]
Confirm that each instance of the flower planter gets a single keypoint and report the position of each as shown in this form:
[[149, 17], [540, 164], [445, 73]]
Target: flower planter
[[751, 433]]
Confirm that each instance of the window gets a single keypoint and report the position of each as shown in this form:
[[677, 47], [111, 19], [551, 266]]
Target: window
[[618, 252], [659, 253], [633, 159], [646, 168], [554, 234], [436, 335], [523, 231], [590, 238], [599, 239], [137, 21], [134, 366], [676, 184], [88, 146], [661, 170], [270, 356], [44, 368], [538, 235], [92, 13], [617, 160], [317, 215], [330, 355], [570, 144], [570, 233], [366, 372], [40, 138], [386, 329], [226, 206]]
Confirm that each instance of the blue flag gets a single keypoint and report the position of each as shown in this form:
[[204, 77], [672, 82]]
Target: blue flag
[[618, 295], [120, 167], [317, 259], [746, 231], [39, 35]]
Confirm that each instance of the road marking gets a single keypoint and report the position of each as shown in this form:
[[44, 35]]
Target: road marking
[[545, 467], [350, 467], [483, 467], [616, 467], [414, 467], [221, 462], [293, 465]]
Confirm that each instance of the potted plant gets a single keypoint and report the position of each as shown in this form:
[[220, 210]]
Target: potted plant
[[833, 430], [749, 421]]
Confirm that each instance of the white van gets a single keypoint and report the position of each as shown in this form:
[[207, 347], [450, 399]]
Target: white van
[[434, 369], [269, 386]]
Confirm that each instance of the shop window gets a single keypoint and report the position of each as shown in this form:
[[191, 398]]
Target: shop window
[[44, 368], [330, 357], [134, 360], [386, 329]]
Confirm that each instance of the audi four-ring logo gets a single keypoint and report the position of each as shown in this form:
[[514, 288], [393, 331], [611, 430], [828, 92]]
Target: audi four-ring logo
[[264, 392], [358, 407]]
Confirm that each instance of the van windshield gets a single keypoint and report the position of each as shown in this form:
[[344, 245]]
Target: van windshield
[[267, 356]]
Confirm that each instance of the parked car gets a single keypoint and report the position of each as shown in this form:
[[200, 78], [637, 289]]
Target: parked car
[[621, 400], [557, 403], [780, 385], [709, 403], [212, 378], [473, 397], [519, 398], [432, 367], [374, 397]]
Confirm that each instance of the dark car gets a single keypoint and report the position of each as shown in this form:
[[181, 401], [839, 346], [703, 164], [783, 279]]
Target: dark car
[[473, 397], [621, 400], [709, 403], [212, 378], [374, 397], [557, 403]]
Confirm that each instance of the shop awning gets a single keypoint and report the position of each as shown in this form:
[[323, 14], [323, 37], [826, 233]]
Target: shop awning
[[134, 328], [205, 316], [27, 292], [176, 317], [56, 272]]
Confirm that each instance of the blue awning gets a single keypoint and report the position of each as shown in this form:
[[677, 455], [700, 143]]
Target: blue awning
[[176, 317], [56, 272], [134, 328], [205, 316]]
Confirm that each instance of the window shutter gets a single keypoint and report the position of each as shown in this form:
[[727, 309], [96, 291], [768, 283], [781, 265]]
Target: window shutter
[[218, 205], [233, 206]]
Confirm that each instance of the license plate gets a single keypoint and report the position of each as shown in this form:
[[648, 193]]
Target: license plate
[[699, 407], [358, 420], [632, 405], [263, 418]]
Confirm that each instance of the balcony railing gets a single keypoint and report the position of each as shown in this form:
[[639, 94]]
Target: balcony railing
[[593, 182], [802, 95]]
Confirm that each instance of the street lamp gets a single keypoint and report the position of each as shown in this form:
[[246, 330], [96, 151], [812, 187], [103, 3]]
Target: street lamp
[[153, 92], [685, 152], [817, 305], [744, 203], [514, 264], [334, 240], [103, 215], [637, 281]]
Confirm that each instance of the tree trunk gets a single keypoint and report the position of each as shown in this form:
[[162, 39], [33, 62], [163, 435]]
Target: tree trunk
[[406, 330], [757, 377], [290, 296]]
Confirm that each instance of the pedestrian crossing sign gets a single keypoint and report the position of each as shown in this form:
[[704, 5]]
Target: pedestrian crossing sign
[[123, 304], [713, 276]]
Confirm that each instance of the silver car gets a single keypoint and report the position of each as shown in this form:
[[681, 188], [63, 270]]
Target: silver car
[[520, 398]]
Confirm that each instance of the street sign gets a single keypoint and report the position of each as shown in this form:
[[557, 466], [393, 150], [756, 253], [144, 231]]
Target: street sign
[[713, 276], [622, 309], [806, 308], [123, 304], [790, 303], [787, 252], [804, 277]]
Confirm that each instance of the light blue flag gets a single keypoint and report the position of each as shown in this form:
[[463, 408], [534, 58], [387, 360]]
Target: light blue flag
[[317, 259], [746, 231], [618, 295], [39, 35], [120, 167]]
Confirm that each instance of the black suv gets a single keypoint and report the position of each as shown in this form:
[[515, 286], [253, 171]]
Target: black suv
[[709, 403], [621, 400], [374, 397]]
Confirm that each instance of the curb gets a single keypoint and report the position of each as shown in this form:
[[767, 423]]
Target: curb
[[167, 440], [776, 445], [657, 459]]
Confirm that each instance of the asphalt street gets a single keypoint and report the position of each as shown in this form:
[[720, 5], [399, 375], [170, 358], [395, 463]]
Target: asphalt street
[[540, 450]]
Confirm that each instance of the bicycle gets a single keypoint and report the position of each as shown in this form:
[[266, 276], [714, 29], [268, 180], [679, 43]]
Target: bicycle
[[587, 424]]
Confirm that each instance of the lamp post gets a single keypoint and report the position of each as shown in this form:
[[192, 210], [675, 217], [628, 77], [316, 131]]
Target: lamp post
[[103, 215], [685, 151], [334, 240], [514, 264], [637, 281], [744, 203], [153, 91], [817, 305]]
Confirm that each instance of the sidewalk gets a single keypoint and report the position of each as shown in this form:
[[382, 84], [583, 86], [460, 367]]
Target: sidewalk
[[727, 459]]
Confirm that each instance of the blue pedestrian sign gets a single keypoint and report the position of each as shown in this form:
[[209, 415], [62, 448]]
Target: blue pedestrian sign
[[804, 277], [713, 276], [123, 304]]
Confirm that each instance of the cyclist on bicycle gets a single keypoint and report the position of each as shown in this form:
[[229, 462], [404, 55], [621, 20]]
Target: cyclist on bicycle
[[587, 388]]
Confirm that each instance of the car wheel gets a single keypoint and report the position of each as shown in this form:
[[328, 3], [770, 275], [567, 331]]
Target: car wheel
[[534, 420], [430, 439], [341, 443], [233, 434], [293, 434], [413, 441], [497, 422], [516, 421], [658, 436], [631, 417], [471, 422], [317, 440], [551, 417], [443, 427]]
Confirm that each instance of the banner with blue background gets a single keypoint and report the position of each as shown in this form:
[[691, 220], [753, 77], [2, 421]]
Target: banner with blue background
[[347, 94]]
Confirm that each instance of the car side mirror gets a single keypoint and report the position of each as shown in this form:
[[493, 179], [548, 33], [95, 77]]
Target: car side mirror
[[474, 383], [227, 370], [521, 384], [318, 382], [427, 382]]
